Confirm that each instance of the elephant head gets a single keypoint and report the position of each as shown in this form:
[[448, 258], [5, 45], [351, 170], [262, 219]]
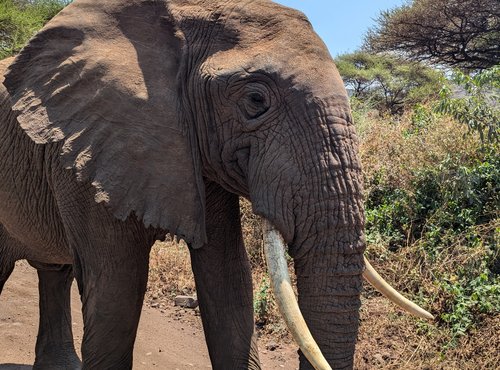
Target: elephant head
[[146, 99]]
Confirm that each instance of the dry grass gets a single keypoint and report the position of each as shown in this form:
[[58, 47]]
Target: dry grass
[[392, 150], [390, 339], [169, 273]]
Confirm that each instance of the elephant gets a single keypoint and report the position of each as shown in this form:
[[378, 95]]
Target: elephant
[[125, 121]]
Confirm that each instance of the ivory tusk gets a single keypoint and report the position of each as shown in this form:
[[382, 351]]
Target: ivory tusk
[[392, 294], [274, 249]]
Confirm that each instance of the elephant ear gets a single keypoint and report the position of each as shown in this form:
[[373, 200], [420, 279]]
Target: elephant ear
[[101, 79]]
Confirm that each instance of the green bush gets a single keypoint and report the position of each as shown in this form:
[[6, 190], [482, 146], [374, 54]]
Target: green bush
[[448, 198], [261, 302], [21, 19], [479, 108], [470, 296], [387, 215], [450, 212]]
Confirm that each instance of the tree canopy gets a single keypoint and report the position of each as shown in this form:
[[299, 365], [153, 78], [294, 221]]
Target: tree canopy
[[463, 34], [389, 82]]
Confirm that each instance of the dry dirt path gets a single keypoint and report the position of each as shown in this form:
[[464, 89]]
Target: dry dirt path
[[164, 340]]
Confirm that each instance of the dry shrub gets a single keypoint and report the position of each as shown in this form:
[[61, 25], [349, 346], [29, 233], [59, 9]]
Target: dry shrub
[[252, 234], [391, 339], [412, 271], [169, 271], [394, 149]]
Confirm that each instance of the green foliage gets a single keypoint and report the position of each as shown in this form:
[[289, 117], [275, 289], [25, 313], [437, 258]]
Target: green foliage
[[449, 211], [387, 215], [451, 197], [261, 302], [421, 119], [21, 19], [470, 296], [389, 83], [479, 108]]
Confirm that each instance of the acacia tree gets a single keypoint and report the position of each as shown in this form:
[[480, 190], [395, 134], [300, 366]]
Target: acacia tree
[[464, 34], [388, 82]]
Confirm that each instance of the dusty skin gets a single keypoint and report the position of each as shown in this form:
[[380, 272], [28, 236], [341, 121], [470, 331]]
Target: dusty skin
[[182, 344]]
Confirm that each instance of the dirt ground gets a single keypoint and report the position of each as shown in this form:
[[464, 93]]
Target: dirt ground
[[171, 338]]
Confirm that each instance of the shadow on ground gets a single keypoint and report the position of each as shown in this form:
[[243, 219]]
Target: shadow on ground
[[15, 367]]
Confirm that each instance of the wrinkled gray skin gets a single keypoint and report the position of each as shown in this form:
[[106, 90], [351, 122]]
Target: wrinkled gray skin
[[124, 120]]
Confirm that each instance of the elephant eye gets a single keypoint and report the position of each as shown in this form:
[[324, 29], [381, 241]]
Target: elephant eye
[[256, 98], [254, 104]]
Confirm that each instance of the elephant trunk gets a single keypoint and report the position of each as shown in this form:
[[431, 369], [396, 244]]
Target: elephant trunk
[[320, 214], [329, 286], [328, 256], [329, 301]]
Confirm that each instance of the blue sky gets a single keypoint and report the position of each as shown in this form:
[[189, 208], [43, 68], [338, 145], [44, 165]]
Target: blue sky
[[342, 24]]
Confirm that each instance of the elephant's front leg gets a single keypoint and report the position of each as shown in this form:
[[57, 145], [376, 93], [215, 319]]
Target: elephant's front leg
[[224, 285], [54, 346], [112, 284], [110, 263]]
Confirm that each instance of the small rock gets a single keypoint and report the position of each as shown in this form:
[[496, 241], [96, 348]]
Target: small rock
[[155, 304], [186, 301], [271, 346]]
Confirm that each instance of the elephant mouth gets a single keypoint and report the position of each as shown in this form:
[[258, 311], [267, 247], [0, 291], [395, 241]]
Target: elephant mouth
[[274, 248]]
